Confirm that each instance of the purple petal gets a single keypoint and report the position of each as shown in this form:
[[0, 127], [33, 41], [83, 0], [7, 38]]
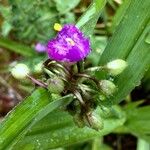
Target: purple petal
[[39, 47], [70, 45]]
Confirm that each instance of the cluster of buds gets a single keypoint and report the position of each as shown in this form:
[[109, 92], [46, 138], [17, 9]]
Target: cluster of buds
[[65, 73]]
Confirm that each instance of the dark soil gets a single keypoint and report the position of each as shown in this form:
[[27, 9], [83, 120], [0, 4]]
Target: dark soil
[[121, 142]]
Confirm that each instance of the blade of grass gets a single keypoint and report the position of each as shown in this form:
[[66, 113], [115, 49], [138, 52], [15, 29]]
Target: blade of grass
[[89, 19], [129, 30], [119, 15], [138, 62], [25, 115], [58, 129], [17, 47], [129, 43]]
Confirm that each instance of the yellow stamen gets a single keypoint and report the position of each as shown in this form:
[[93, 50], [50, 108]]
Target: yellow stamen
[[72, 43], [57, 27]]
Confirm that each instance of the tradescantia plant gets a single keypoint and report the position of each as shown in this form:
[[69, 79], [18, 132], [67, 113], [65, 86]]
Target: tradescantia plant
[[73, 101], [66, 52]]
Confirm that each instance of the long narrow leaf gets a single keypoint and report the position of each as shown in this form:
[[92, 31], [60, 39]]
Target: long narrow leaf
[[130, 42], [58, 129], [128, 32], [25, 115], [16, 47], [89, 19]]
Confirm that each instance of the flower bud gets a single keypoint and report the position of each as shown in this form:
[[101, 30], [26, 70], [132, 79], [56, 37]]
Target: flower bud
[[116, 67], [39, 47], [107, 87], [38, 67], [55, 85], [20, 71], [95, 122]]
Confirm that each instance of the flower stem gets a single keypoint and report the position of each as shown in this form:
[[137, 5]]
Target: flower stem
[[88, 77], [93, 69], [37, 82]]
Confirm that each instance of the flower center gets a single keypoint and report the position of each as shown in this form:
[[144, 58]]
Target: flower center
[[71, 42]]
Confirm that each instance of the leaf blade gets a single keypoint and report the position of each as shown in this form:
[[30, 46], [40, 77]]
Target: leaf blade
[[66, 132], [89, 19], [17, 48], [129, 44], [25, 115]]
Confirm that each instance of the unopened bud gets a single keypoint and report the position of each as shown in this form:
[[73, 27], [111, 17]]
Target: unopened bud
[[55, 85], [107, 87], [95, 122], [116, 67], [38, 67], [20, 71]]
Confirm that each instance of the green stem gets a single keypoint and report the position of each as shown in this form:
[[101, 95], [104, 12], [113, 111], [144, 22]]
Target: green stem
[[93, 69]]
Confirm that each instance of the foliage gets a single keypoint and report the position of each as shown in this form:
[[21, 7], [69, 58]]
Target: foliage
[[130, 44], [32, 20]]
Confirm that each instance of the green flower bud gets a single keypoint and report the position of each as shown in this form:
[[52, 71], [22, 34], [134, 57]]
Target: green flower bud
[[20, 71], [116, 67], [38, 67], [55, 85], [107, 87], [95, 122]]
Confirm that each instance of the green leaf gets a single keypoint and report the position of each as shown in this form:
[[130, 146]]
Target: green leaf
[[137, 121], [25, 115], [5, 12], [66, 6], [89, 19], [119, 14], [6, 27], [17, 47], [143, 145], [129, 43], [58, 129]]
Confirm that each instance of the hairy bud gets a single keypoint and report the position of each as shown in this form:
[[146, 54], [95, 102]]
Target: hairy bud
[[55, 85], [20, 71], [107, 87], [116, 67], [38, 67], [95, 122]]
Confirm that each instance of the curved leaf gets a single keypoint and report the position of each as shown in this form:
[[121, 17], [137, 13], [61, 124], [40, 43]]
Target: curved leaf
[[58, 129], [89, 19], [25, 115], [129, 43], [16, 47]]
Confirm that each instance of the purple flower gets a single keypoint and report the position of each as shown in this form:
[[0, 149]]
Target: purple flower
[[39, 47], [70, 45]]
